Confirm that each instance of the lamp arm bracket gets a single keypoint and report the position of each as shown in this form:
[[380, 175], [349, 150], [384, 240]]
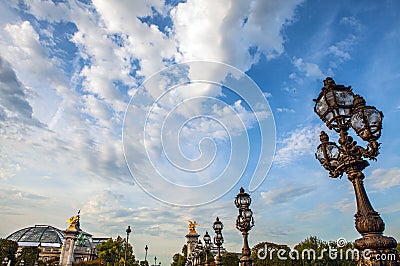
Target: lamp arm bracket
[[372, 150]]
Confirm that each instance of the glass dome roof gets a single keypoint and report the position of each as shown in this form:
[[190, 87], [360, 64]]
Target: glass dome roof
[[43, 235]]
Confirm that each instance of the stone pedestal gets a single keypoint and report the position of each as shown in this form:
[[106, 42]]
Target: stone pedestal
[[68, 247], [192, 240]]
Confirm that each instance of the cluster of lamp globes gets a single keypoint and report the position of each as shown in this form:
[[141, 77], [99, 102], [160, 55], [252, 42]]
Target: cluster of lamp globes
[[340, 109]]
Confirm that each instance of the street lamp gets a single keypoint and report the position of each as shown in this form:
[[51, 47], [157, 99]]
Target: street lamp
[[155, 261], [190, 260], [198, 250], [207, 246], [145, 254], [128, 231], [218, 239], [244, 223], [341, 109]]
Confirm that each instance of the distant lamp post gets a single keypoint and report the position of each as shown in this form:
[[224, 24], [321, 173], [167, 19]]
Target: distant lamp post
[[218, 239], [339, 108], [207, 246], [198, 251], [145, 253], [190, 260], [244, 223], [155, 261], [128, 231]]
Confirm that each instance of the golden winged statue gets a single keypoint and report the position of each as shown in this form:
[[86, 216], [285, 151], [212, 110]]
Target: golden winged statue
[[192, 227], [73, 222]]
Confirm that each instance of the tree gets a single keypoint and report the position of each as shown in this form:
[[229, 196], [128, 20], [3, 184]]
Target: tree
[[230, 259], [29, 255], [179, 259], [144, 263], [267, 253], [184, 250], [314, 251], [311, 252], [310, 249], [113, 252], [8, 248]]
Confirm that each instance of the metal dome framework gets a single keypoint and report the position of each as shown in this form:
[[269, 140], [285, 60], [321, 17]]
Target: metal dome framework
[[39, 235]]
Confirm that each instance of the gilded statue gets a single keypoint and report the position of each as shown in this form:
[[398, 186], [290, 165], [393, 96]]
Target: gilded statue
[[73, 222], [192, 227]]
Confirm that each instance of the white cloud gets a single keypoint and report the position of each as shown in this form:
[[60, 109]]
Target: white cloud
[[346, 205], [80, 102], [338, 53], [286, 194], [302, 141], [310, 70], [383, 179], [15, 109], [285, 110], [342, 48], [267, 94], [224, 31], [352, 22]]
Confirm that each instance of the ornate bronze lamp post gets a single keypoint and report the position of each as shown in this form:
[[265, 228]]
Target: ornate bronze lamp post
[[207, 246], [341, 109], [244, 223], [218, 239], [197, 251], [190, 260], [128, 231], [145, 253]]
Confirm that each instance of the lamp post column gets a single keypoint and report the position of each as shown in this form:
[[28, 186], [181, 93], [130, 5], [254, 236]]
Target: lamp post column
[[207, 244], [128, 231], [218, 239], [341, 110], [244, 223], [145, 253]]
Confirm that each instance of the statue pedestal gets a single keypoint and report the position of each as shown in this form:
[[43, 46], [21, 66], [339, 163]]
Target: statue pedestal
[[68, 247], [192, 239]]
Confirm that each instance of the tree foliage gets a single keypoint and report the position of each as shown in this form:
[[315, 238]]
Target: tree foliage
[[144, 263], [311, 252], [266, 253], [230, 259], [179, 259], [325, 253], [113, 252], [29, 255], [8, 248]]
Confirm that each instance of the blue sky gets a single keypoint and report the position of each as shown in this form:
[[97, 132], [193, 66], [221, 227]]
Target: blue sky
[[70, 68]]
